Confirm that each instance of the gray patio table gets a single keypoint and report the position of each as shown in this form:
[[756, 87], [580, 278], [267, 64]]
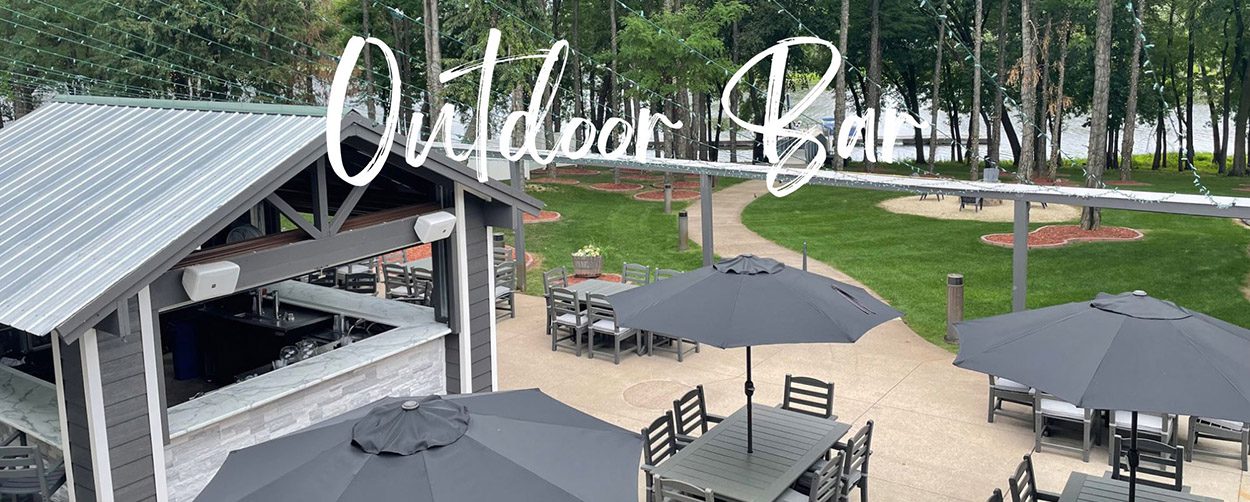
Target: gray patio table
[[786, 444], [1083, 487], [598, 287]]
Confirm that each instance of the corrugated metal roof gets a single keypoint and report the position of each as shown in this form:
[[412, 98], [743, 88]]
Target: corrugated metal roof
[[90, 190]]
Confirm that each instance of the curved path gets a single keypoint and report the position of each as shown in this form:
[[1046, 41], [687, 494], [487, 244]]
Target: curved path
[[932, 442]]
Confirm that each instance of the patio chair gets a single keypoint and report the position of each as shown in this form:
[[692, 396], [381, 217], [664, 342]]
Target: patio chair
[[671, 490], [1161, 427], [326, 277], [365, 283], [1159, 464], [24, 471], [423, 285], [505, 287], [855, 468], [566, 316], [398, 280], [659, 442], [554, 278], [1002, 391], [690, 414], [976, 202], [501, 254], [603, 324], [633, 273], [1023, 485], [664, 273], [997, 496], [808, 396], [1048, 408], [671, 344], [1221, 430], [826, 484]]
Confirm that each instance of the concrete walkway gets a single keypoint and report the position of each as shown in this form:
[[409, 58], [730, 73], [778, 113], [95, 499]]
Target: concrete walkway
[[932, 441]]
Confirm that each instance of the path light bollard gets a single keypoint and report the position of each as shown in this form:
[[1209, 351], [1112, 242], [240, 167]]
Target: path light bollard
[[804, 256], [668, 198], [683, 231], [954, 305]]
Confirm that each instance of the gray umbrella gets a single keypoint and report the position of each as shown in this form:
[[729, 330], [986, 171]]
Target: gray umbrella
[[747, 300], [1118, 352], [518, 445]]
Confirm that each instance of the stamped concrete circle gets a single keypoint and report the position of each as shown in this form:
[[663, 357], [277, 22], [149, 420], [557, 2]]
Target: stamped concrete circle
[[654, 394], [948, 209]]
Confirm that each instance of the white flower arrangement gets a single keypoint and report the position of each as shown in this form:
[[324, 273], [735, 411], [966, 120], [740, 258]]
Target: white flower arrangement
[[589, 250]]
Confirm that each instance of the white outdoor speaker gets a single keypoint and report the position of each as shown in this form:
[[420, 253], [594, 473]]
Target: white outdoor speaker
[[210, 280], [434, 226]]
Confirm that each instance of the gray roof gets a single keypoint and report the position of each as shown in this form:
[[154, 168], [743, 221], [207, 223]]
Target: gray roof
[[97, 192]]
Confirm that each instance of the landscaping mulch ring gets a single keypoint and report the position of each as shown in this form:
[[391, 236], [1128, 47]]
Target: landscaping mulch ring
[[693, 185], [1127, 183], [571, 171], [553, 181], [641, 177], [543, 217], [658, 195], [1053, 236], [615, 187]]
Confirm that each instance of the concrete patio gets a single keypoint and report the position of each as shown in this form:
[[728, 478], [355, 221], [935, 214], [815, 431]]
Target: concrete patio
[[932, 441]]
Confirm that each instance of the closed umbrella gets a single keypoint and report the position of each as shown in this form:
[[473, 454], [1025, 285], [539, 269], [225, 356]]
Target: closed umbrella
[[517, 445], [1118, 352], [748, 300]]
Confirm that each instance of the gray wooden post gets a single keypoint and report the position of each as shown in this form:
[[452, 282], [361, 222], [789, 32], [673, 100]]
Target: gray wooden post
[[1020, 256], [518, 224], [668, 198], [954, 305], [705, 202]]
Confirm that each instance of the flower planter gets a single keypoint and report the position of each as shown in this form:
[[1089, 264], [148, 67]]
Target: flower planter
[[587, 266]]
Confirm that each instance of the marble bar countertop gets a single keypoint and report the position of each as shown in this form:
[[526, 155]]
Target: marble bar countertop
[[29, 405], [414, 325]]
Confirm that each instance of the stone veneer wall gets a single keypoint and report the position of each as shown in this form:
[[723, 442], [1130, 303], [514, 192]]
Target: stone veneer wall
[[193, 459]]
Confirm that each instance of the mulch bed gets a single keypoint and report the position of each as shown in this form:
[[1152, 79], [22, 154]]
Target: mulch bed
[[658, 195], [641, 177], [571, 171], [616, 187], [553, 181], [543, 217], [604, 277], [694, 185], [1053, 236], [1128, 183]]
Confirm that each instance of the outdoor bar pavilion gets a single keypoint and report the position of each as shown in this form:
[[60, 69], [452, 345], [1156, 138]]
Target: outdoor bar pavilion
[[114, 208]]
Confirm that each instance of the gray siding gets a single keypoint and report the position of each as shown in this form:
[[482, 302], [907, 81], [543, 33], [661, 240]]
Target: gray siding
[[76, 415], [481, 292]]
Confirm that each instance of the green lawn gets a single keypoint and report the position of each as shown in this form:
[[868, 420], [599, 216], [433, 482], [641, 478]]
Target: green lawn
[[1198, 262]]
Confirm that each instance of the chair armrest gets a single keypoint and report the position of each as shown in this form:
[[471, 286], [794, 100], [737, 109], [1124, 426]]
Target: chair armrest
[[716, 419], [683, 440], [1047, 496], [9, 440]]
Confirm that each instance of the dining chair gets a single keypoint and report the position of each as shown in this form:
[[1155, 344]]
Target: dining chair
[[997, 496], [1023, 485], [659, 442], [505, 287], [326, 277], [825, 484], [1048, 409], [1153, 426], [555, 278], [566, 316], [604, 324], [360, 282], [1002, 391], [501, 254], [855, 468], [398, 280], [808, 396], [672, 490], [633, 273], [1159, 464], [423, 284], [664, 273], [1220, 430], [690, 414], [25, 473]]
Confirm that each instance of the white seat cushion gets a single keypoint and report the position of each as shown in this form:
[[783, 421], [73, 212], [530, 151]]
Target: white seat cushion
[[604, 325], [1145, 421], [1057, 408], [502, 291], [398, 290], [792, 495], [570, 320], [1227, 424], [1011, 385]]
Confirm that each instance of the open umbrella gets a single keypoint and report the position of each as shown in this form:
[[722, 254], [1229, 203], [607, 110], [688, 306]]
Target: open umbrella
[[1118, 352], [518, 445], [747, 300]]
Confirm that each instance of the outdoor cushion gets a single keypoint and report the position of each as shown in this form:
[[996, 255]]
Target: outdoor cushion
[[1005, 384], [792, 495], [569, 319], [1219, 422], [1145, 421], [606, 325], [398, 290], [502, 291], [1057, 408]]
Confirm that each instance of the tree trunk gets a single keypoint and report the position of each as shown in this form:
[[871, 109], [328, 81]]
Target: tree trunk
[[873, 85], [936, 94], [839, 94], [370, 91], [996, 128], [614, 98], [1226, 75], [974, 122], [1097, 153], [1243, 110], [1188, 162], [433, 59], [1028, 92], [1130, 108], [733, 94], [1056, 125], [579, 105]]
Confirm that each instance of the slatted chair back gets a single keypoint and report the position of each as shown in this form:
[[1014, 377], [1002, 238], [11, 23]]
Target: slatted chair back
[[361, 282], [598, 308], [396, 275], [858, 449], [1023, 484], [505, 274], [659, 440], [326, 277], [23, 463], [564, 301], [1162, 465], [808, 396], [555, 278], [827, 485], [633, 273], [997, 496], [690, 412], [672, 490], [664, 273]]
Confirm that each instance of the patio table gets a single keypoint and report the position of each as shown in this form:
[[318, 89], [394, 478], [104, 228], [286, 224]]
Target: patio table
[[598, 287], [1083, 487], [786, 444]]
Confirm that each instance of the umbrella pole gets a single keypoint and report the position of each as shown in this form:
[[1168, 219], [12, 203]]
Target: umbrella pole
[[749, 388], [1132, 462]]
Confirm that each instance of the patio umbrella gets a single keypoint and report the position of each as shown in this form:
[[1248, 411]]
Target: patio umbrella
[[1127, 352], [518, 445], [748, 300]]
